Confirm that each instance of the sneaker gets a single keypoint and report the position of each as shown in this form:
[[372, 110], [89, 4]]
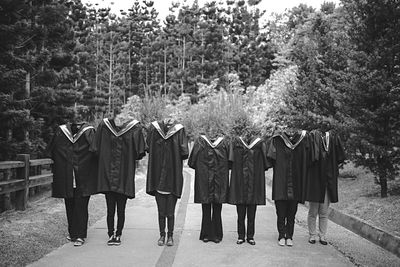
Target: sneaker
[[289, 242], [79, 242], [323, 241], [312, 240], [161, 240], [111, 240], [70, 239], [281, 242], [170, 241], [117, 240]]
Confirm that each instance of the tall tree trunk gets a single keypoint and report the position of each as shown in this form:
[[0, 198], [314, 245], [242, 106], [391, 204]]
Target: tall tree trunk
[[202, 56], [183, 60], [165, 71], [383, 183], [110, 77], [27, 96]]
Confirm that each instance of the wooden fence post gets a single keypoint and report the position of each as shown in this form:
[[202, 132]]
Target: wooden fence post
[[21, 197], [7, 197]]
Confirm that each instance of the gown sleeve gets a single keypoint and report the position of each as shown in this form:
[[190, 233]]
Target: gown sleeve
[[95, 145], [183, 144], [339, 150], [194, 154], [264, 148], [139, 143], [271, 154]]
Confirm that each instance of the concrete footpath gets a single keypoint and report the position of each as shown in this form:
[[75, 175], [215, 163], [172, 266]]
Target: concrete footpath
[[139, 241]]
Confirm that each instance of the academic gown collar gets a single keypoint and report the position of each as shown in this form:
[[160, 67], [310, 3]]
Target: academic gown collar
[[252, 144], [212, 144], [66, 129], [325, 140], [173, 130], [126, 127], [288, 142]]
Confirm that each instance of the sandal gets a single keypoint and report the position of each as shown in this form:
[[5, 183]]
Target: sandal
[[240, 241]]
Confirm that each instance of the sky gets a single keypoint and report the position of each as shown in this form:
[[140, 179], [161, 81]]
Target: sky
[[162, 6]]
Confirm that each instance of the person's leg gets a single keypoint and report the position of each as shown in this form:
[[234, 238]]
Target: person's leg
[[205, 222], [161, 207], [171, 203], [291, 214], [281, 207], [81, 215], [323, 219], [69, 208], [251, 217], [121, 204], [111, 203], [217, 221], [312, 221], [241, 228]]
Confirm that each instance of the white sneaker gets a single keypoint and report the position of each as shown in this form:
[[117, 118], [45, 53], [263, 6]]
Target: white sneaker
[[281, 242], [79, 242], [289, 242]]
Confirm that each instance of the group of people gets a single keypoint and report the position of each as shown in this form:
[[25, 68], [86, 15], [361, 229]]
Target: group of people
[[227, 170]]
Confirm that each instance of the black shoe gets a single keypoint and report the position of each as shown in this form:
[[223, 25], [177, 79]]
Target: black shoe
[[111, 241], [117, 240], [217, 240], [240, 241], [251, 242], [161, 240], [170, 241], [323, 242], [205, 240]]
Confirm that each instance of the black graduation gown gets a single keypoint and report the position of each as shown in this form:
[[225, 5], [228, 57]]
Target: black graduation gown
[[72, 158], [211, 163], [167, 150], [118, 148], [323, 174], [290, 159], [249, 163]]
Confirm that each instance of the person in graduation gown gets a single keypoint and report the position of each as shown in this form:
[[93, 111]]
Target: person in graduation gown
[[74, 175], [118, 148], [322, 181], [247, 183], [290, 155], [167, 147], [210, 160]]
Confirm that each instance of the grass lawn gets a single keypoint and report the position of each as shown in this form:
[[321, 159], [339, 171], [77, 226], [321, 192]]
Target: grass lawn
[[359, 196]]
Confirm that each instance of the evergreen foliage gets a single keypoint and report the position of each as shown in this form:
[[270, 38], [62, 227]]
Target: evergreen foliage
[[217, 68]]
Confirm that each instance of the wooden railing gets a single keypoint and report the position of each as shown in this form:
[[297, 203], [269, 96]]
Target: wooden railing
[[17, 179]]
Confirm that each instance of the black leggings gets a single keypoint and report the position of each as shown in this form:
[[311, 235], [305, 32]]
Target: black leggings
[[166, 210], [115, 200]]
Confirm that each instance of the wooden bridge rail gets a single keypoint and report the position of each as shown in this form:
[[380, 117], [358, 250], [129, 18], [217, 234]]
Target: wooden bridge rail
[[22, 181]]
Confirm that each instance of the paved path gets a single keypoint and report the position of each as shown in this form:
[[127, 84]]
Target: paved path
[[140, 235]]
